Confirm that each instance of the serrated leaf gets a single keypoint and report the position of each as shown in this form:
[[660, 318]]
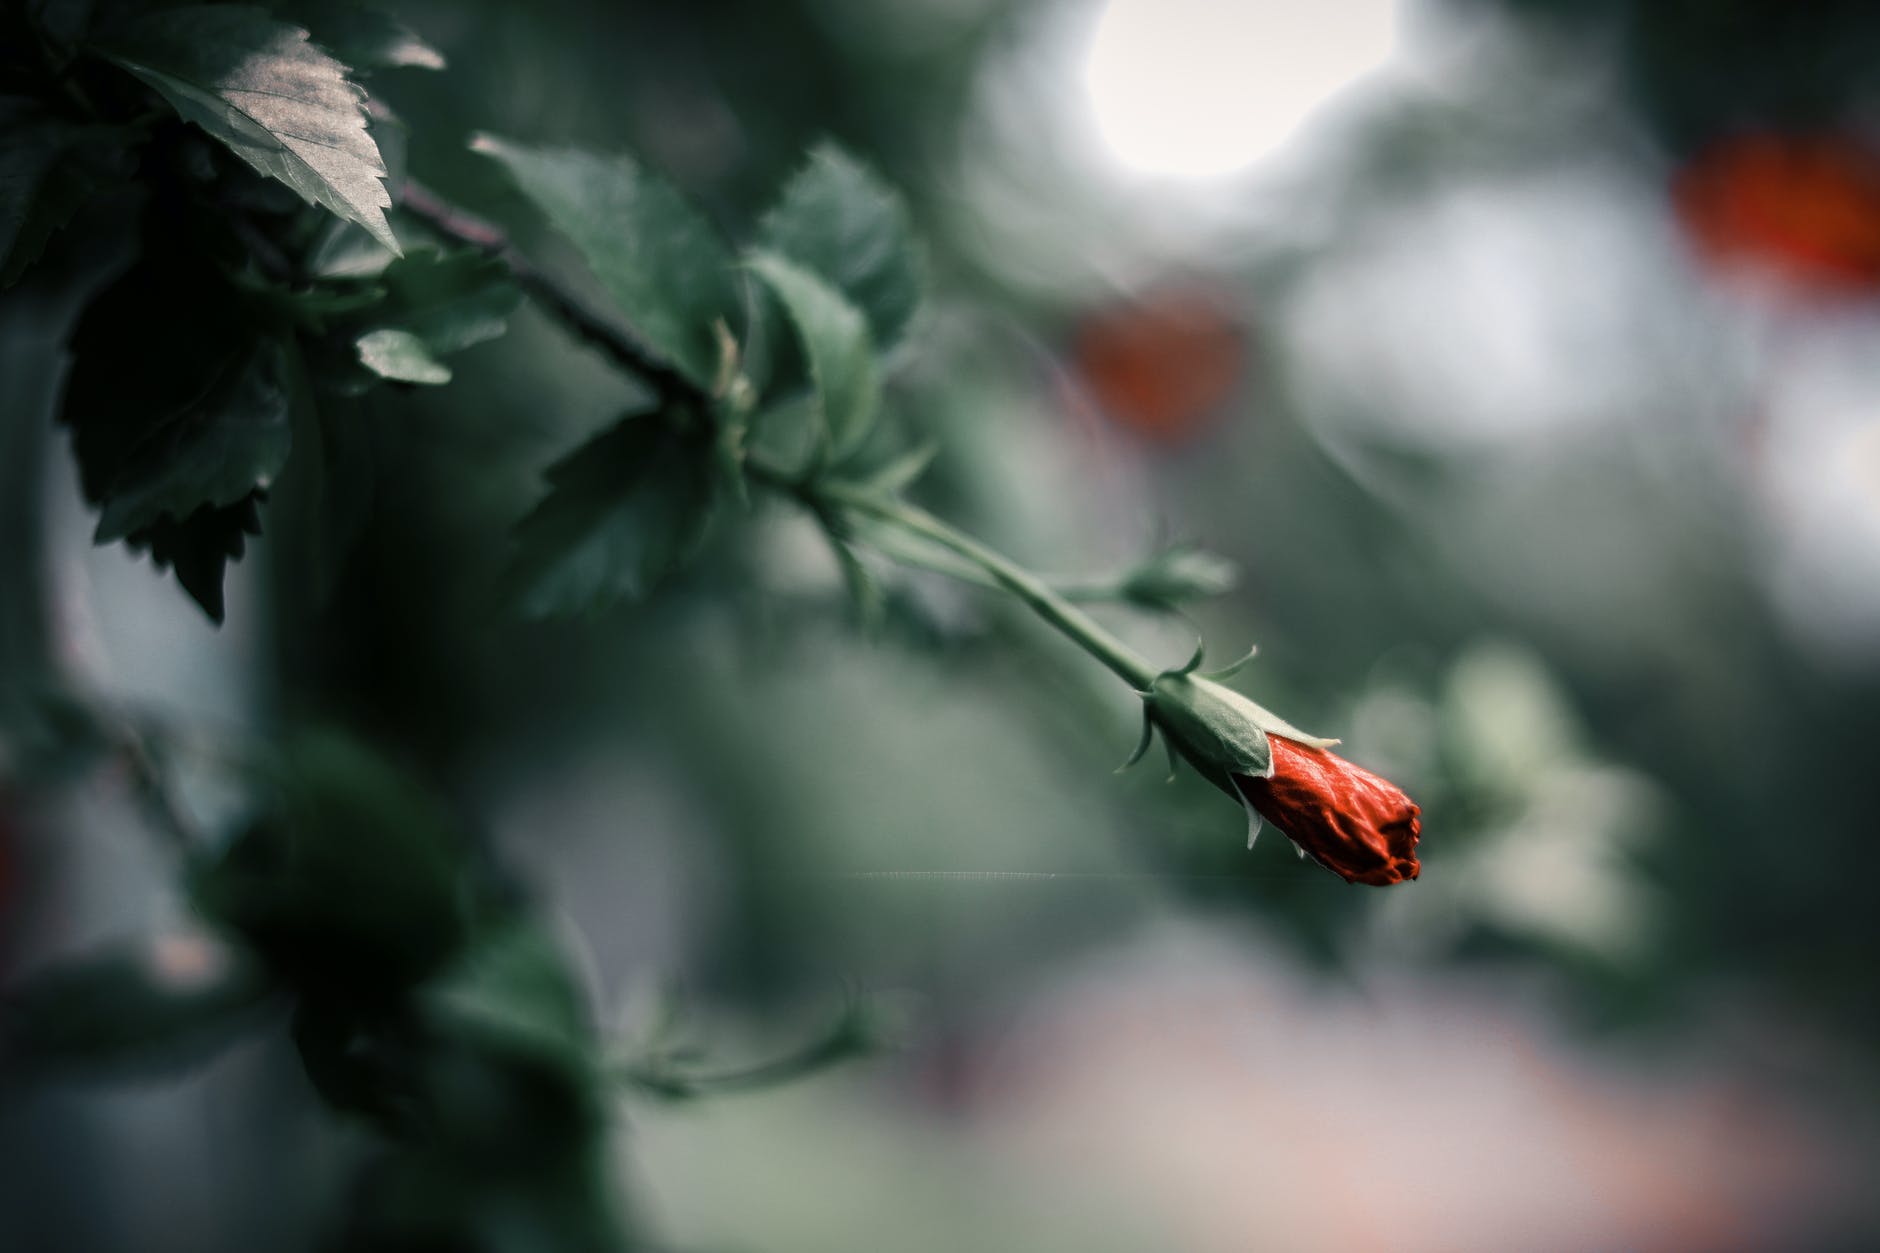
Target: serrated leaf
[[622, 511], [199, 547], [275, 99], [839, 221], [400, 356], [142, 1009], [366, 37], [178, 412], [660, 261], [235, 438], [835, 338]]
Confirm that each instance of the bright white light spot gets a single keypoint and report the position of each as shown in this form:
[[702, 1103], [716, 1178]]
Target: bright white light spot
[[1199, 88]]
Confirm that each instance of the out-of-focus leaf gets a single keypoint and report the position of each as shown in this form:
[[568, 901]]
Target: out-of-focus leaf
[[622, 512], [400, 356], [351, 880], [138, 1010], [842, 223], [365, 37], [451, 301], [864, 588], [660, 261], [277, 101], [1177, 576], [48, 168], [835, 339], [235, 438], [513, 992]]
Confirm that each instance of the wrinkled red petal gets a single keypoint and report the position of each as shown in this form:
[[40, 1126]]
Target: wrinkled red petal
[[1360, 827]]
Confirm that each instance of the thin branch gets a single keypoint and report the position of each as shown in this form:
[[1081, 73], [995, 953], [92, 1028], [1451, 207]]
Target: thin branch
[[155, 793], [556, 299]]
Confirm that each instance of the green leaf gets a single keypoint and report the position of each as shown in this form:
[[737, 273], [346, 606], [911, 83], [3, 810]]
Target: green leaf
[[659, 260], [835, 338], [450, 301], [401, 357], [200, 547], [277, 101], [366, 37], [215, 453], [49, 167], [839, 221], [622, 512], [147, 1008], [421, 307], [178, 411], [514, 992], [352, 878]]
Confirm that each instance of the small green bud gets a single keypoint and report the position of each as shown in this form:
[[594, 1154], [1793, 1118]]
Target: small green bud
[[1177, 576]]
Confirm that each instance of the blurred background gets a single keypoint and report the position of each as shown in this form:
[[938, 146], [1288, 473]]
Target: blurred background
[[1522, 355]]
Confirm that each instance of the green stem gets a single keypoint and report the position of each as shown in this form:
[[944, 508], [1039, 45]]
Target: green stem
[[1055, 608], [1039, 596]]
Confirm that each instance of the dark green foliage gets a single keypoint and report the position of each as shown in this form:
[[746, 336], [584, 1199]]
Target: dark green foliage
[[178, 423], [434, 304], [363, 36], [622, 511], [49, 166], [843, 373], [273, 98], [135, 1010], [351, 878], [660, 261], [838, 220]]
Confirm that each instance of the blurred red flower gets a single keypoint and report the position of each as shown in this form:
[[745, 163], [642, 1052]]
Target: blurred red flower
[[1805, 208], [1360, 827], [1163, 363]]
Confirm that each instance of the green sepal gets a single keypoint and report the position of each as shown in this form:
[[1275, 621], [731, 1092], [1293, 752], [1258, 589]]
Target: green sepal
[[1142, 745], [1229, 671], [1215, 727], [894, 475], [871, 603]]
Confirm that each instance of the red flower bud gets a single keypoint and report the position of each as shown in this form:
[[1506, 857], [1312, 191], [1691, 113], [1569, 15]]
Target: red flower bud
[[1358, 826]]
